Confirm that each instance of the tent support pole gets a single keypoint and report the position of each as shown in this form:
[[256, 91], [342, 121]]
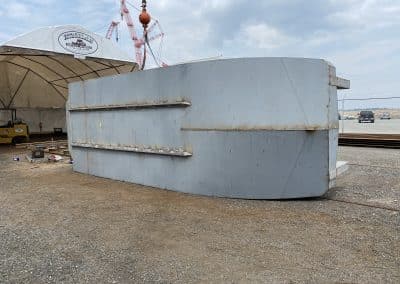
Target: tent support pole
[[18, 88], [92, 72], [66, 67], [1, 101], [40, 76], [90, 68], [48, 68]]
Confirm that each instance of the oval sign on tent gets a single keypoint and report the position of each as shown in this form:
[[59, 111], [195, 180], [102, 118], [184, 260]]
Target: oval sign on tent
[[78, 42]]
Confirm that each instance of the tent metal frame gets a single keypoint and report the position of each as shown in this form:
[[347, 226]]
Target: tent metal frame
[[30, 55]]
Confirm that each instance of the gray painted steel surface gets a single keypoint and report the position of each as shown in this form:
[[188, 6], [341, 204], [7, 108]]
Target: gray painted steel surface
[[262, 128]]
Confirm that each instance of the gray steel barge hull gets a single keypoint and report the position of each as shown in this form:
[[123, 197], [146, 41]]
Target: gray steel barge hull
[[262, 128]]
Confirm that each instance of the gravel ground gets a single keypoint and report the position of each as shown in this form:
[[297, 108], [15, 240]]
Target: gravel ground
[[373, 177], [60, 226]]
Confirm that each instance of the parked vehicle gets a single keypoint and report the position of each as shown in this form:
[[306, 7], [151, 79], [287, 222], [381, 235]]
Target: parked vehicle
[[385, 115], [366, 116]]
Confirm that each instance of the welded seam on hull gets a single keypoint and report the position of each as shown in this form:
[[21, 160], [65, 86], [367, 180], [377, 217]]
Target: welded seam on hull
[[261, 128], [295, 164], [294, 89], [146, 105], [152, 150]]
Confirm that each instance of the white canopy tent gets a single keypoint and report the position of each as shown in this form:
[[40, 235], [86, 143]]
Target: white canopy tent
[[35, 70]]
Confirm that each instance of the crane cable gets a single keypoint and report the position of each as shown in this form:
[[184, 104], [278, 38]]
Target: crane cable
[[151, 51], [144, 5], [156, 60]]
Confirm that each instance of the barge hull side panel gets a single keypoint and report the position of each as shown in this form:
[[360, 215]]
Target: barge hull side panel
[[258, 128], [251, 165]]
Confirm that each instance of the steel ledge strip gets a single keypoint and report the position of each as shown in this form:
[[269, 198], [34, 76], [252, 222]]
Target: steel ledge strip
[[177, 104], [270, 128], [340, 83], [163, 151]]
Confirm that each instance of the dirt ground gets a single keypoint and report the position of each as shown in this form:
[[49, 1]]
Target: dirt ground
[[60, 226]]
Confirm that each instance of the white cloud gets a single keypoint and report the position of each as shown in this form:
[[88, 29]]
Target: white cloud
[[217, 4], [16, 10], [367, 14], [359, 36], [263, 36], [43, 2]]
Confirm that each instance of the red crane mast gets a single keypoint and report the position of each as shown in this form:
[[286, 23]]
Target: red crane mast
[[139, 43], [113, 26]]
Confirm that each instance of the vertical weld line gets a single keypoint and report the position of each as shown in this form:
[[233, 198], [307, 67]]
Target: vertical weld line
[[294, 166], [295, 91], [329, 130]]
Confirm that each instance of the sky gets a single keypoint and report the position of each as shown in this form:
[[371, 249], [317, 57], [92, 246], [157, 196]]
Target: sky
[[360, 37]]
